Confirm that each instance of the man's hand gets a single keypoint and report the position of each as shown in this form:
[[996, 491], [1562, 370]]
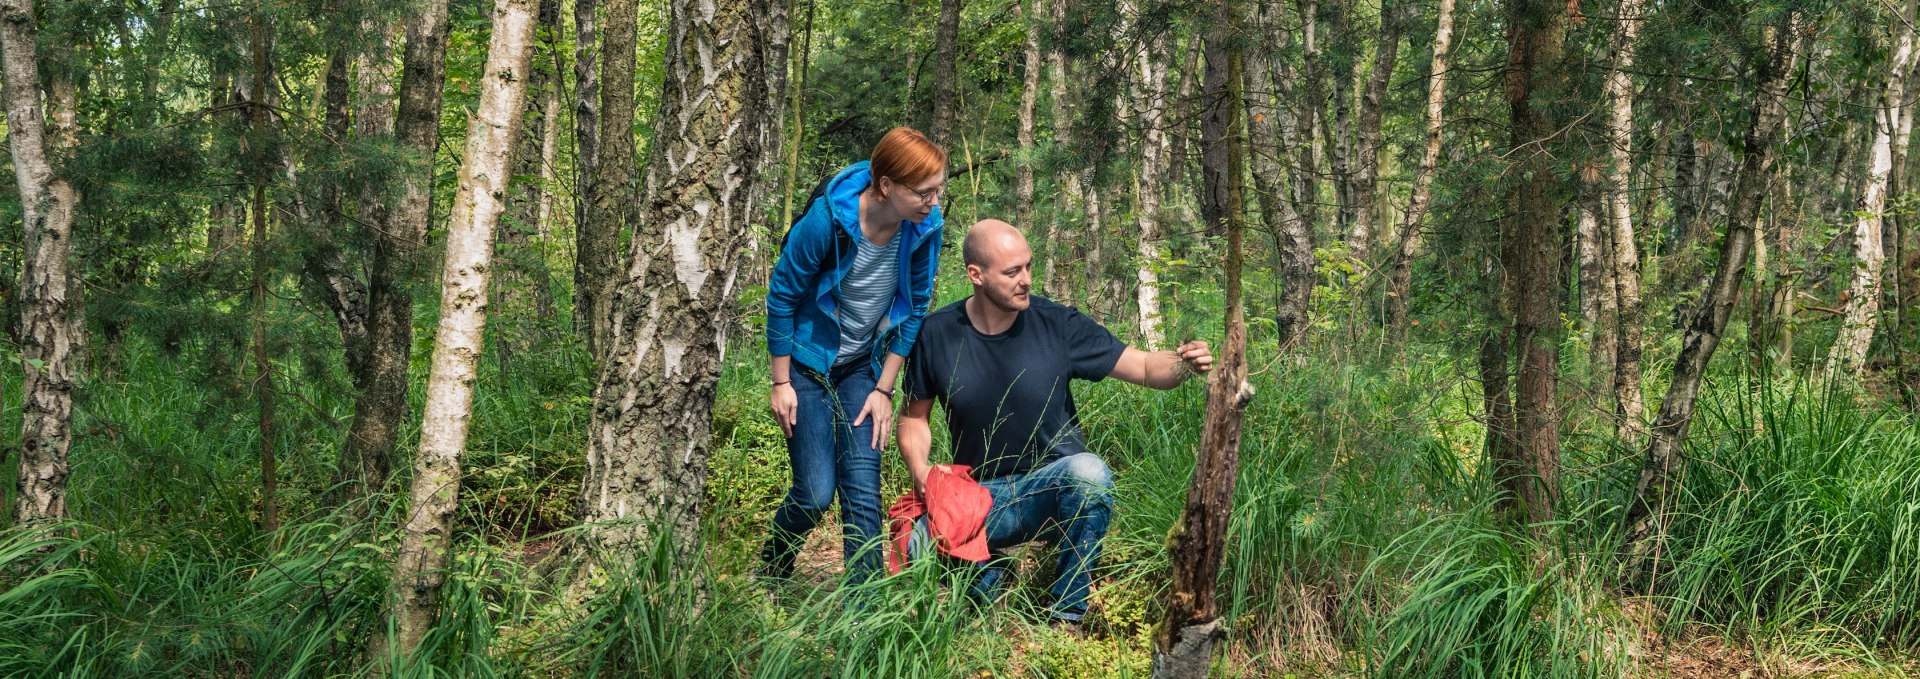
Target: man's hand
[[920, 477], [786, 407], [1195, 357], [881, 408]]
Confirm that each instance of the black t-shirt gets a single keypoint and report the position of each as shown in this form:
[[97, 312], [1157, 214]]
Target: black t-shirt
[[1009, 409]]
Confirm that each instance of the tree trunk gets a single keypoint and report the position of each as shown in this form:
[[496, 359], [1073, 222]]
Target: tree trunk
[[1869, 250], [1685, 181], [1373, 105], [1183, 646], [1067, 193], [399, 235], [263, 161], [1702, 336], [1311, 120], [1536, 39], [1337, 122], [419, 569], [1598, 304], [46, 204], [325, 259], [946, 36], [1401, 282], [649, 439], [1270, 149], [524, 271], [615, 186], [1029, 100], [1622, 250], [1149, 101], [586, 157], [797, 134]]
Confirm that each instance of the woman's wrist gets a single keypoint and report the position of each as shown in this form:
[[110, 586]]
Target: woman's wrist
[[883, 391]]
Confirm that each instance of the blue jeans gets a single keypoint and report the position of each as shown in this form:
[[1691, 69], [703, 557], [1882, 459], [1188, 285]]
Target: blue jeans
[[828, 453], [1068, 502]]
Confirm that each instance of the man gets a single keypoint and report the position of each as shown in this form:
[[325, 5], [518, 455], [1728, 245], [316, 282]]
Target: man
[[999, 362]]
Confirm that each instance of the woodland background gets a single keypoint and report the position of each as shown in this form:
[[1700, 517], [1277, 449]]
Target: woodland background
[[424, 338]]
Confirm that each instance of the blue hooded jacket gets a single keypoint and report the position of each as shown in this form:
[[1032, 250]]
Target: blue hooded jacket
[[803, 293]]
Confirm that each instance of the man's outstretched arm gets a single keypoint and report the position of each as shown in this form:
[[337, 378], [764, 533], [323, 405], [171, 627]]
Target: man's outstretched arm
[[1159, 369], [916, 440]]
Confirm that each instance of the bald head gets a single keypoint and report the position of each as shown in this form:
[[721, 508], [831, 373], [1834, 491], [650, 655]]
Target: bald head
[[989, 240]]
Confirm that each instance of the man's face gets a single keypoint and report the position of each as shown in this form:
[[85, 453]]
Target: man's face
[[1005, 279]]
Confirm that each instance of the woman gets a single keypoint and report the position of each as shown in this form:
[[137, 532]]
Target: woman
[[844, 305]]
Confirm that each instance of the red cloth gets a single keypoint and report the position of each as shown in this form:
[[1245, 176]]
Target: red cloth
[[956, 508]]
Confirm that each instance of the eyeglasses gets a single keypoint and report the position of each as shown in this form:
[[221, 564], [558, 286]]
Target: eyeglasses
[[929, 196]]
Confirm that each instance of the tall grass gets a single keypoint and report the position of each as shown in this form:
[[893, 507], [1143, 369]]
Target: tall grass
[[1362, 542]]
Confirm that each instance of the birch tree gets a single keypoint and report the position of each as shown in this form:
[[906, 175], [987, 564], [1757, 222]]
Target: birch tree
[[648, 443], [1623, 269], [1149, 96], [46, 204], [1400, 281], [1028, 11], [419, 570], [1703, 334], [615, 185], [1862, 310], [1273, 135]]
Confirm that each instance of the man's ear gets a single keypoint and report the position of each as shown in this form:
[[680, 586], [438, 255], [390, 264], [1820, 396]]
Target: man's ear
[[975, 275]]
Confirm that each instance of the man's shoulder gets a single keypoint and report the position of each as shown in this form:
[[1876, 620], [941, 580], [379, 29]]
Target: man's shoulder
[[1057, 315]]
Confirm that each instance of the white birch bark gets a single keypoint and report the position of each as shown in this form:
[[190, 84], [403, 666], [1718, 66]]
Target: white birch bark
[[46, 205], [1149, 72], [419, 570], [1623, 253], [648, 443], [1862, 309]]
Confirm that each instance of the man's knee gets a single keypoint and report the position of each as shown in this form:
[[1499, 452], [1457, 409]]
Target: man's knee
[[1090, 472]]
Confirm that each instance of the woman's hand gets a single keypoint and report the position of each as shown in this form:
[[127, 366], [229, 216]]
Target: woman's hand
[[880, 406], [786, 407]]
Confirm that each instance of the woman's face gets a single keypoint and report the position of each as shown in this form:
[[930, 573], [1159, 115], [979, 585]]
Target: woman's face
[[915, 202]]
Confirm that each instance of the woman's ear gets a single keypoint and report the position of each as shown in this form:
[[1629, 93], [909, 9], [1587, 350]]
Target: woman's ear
[[884, 185]]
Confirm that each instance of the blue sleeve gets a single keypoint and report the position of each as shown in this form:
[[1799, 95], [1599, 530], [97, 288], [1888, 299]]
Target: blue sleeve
[[926, 263], [794, 274]]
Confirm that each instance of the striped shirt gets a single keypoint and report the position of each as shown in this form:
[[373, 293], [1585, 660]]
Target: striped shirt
[[865, 295]]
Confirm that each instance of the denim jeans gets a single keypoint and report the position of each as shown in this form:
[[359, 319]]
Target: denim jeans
[[1068, 502], [829, 454]]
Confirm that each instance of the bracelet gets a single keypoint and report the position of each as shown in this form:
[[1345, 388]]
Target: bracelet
[[888, 392], [783, 382]]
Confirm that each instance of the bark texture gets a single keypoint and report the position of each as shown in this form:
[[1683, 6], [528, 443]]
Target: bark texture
[[1400, 282], [1623, 269], [419, 570], [1149, 98], [1536, 37], [1703, 334], [1183, 646], [946, 81], [522, 285], [1869, 246], [586, 156], [1029, 101], [615, 182], [649, 440], [1367, 138], [1272, 140], [263, 162], [46, 203], [400, 234]]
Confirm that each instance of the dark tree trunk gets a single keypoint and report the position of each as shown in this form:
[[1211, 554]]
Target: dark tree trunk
[[615, 185], [1367, 139], [946, 83], [1183, 646], [263, 163], [1029, 102], [399, 235], [1536, 36], [1703, 334], [325, 258], [586, 156], [1267, 127]]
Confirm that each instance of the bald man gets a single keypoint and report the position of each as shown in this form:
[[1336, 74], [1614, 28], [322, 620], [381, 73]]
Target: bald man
[[999, 363]]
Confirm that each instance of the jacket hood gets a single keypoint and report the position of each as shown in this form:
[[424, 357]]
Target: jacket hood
[[843, 201]]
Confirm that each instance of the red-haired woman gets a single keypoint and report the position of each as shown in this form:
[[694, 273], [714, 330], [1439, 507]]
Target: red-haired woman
[[844, 306]]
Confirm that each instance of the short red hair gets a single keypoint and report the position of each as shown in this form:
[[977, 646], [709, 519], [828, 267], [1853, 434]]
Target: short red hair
[[906, 156]]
